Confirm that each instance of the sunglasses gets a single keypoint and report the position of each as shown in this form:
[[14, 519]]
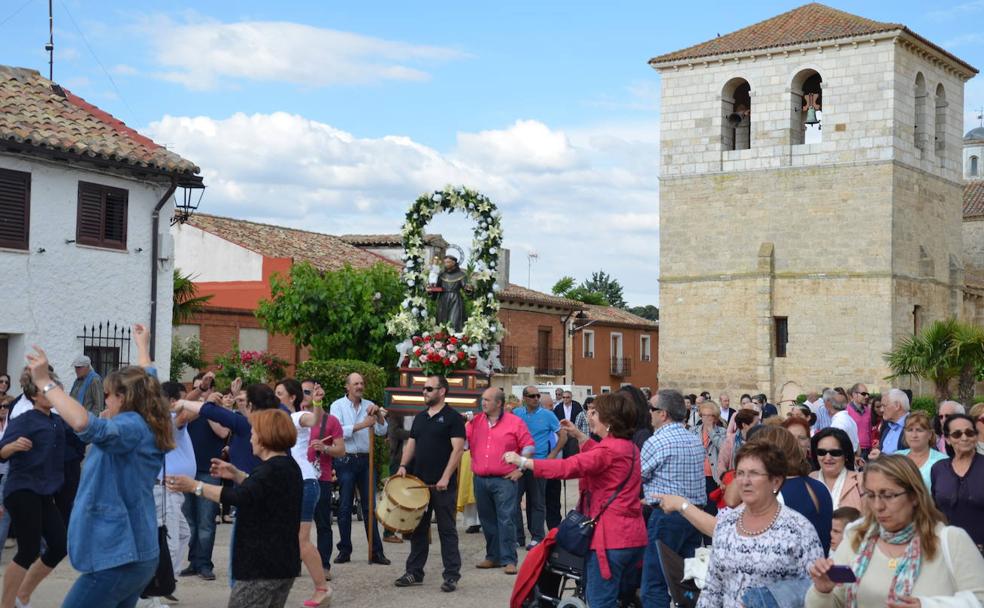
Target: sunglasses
[[429, 389], [833, 453], [308, 391], [534, 395], [655, 409], [969, 433], [862, 393]]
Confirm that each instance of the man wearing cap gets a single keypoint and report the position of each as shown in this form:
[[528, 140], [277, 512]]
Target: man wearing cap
[[88, 386]]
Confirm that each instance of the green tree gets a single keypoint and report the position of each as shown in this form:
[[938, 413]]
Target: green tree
[[339, 314], [187, 302], [609, 287], [647, 311], [185, 353], [945, 351], [566, 288]]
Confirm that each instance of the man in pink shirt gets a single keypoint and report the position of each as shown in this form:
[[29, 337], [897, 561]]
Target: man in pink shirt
[[859, 411], [491, 434]]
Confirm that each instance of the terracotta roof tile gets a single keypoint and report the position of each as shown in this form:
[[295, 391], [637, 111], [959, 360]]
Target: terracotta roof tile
[[973, 199], [617, 316], [515, 293], [37, 113], [323, 251], [808, 23]]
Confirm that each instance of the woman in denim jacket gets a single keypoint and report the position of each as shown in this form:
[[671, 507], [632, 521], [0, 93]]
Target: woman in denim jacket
[[112, 535]]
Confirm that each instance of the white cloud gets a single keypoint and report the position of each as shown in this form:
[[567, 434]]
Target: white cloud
[[957, 11], [203, 54], [123, 69], [585, 199]]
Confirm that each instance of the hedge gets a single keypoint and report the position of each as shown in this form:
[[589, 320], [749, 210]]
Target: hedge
[[331, 375]]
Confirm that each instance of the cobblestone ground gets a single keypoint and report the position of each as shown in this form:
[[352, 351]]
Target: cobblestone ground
[[356, 584]]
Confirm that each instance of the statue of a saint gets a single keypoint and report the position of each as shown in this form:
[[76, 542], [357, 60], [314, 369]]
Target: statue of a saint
[[450, 301]]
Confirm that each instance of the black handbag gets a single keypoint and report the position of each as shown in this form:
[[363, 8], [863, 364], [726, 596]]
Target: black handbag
[[576, 530], [163, 582]]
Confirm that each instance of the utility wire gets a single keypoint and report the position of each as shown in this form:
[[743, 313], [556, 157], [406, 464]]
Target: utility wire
[[96, 57], [16, 12]]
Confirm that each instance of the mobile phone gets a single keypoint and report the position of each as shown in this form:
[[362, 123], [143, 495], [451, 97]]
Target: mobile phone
[[841, 574]]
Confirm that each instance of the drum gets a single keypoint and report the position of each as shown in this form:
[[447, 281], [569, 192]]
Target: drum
[[402, 504]]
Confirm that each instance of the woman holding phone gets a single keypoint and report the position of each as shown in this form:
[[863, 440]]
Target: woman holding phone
[[901, 555]]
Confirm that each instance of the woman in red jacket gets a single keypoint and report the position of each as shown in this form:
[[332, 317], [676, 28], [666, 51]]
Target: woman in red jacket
[[602, 466]]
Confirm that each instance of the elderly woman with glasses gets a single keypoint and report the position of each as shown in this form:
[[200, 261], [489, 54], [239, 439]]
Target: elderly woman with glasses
[[901, 554], [760, 542], [711, 433], [958, 483], [833, 459]]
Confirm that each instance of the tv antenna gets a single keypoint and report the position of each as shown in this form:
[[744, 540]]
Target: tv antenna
[[531, 259], [50, 46], [980, 115]]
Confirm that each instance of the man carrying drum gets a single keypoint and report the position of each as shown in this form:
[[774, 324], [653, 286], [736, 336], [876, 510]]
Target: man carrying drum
[[440, 432], [491, 434]]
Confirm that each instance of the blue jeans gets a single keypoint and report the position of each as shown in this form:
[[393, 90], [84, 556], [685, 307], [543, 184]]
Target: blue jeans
[[200, 513], [322, 521], [495, 498], [602, 593], [536, 507], [118, 587], [353, 473], [677, 534]]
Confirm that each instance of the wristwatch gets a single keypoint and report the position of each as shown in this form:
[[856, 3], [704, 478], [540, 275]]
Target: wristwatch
[[199, 488], [684, 507], [48, 387]]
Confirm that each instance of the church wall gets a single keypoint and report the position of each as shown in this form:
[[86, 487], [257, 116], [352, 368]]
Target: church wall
[[973, 242]]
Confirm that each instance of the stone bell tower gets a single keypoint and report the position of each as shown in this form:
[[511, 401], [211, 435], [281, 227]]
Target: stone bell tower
[[810, 200]]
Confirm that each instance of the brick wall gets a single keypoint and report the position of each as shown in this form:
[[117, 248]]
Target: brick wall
[[596, 371], [219, 332], [522, 331]]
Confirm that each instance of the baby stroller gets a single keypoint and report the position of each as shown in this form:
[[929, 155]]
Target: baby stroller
[[563, 573]]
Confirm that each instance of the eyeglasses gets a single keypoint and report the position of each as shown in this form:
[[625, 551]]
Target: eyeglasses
[[885, 497], [970, 433], [833, 453], [753, 475], [533, 395]]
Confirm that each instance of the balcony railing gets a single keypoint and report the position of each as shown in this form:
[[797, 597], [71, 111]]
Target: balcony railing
[[621, 366], [510, 359], [549, 361]]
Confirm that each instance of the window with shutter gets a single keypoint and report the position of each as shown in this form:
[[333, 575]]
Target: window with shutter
[[15, 209], [102, 215]]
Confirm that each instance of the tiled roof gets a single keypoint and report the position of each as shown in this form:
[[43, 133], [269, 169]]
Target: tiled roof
[[323, 251], [808, 23], [38, 115], [389, 240], [515, 293], [973, 199], [611, 315]]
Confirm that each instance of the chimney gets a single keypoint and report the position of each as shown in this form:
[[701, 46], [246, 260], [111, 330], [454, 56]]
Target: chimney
[[502, 272]]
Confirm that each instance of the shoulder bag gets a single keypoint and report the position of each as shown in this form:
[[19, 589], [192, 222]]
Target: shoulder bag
[[576, 530], [163, 583]]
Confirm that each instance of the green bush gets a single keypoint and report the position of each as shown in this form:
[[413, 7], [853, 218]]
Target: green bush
[[925, 404], [185, 353], [331, 374], [801, 398]]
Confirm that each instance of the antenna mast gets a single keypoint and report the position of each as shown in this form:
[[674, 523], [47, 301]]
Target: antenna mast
[[50, 47]]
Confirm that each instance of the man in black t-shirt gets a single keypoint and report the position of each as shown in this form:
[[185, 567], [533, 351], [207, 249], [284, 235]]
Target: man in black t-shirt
[[437, 440]]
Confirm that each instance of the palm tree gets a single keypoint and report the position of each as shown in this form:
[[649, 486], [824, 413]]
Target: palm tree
[[187, 302], [944, 351]]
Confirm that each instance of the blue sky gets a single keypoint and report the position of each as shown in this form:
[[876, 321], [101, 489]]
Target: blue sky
[[333, 116]]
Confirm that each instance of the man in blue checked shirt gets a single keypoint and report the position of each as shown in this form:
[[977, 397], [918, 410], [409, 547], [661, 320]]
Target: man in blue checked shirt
[[672, 463]]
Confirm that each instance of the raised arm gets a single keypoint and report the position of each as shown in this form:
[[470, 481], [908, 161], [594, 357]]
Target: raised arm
[[142, 337], [69, 409]]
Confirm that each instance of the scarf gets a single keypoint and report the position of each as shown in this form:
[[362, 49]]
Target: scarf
[[907, 570]]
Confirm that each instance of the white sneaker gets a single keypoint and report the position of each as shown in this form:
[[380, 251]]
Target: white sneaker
[[19, 604]]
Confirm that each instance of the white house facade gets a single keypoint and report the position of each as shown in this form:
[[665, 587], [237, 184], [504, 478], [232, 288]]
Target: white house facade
[[83, 255]]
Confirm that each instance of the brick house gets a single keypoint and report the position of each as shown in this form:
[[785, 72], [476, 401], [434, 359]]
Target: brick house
[[612, 347]]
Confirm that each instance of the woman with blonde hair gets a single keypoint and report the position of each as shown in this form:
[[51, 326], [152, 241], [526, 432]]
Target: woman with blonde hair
[[920, 436], [112, 534], [977, 413], [902, 555]]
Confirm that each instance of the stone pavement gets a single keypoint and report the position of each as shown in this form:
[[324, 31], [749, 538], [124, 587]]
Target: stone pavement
[[356, 584]]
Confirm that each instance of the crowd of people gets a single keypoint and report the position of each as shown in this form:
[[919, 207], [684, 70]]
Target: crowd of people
[[846, 499]]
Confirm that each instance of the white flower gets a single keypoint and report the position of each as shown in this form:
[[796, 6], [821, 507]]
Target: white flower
[[443, 353], [437, 198], [453, 358], [438, 344], [452, 347], [410, 282]]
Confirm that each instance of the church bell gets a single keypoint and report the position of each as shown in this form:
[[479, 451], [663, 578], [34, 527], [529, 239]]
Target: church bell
[[811, 117]]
